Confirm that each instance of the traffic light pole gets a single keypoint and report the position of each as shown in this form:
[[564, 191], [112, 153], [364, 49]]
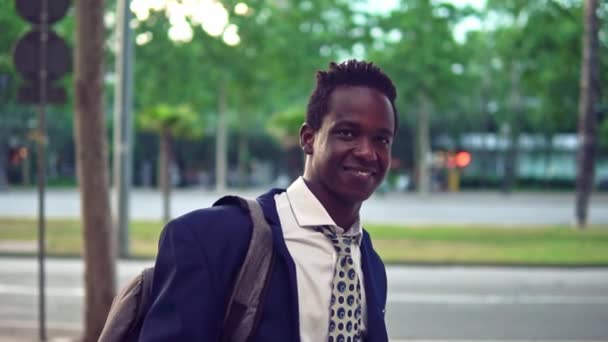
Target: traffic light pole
[[44, 27]]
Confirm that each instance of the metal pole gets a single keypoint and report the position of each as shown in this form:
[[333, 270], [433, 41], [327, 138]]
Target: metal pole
[[221, 140], [123, 126], [424, 147], [42, 170]]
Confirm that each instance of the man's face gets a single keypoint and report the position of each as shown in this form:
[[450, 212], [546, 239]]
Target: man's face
[[349, 154]]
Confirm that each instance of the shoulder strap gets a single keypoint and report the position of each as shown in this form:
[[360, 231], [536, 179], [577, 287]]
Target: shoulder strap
[[243, 309]]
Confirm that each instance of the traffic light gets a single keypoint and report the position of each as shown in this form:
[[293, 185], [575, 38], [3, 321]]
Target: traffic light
[[462, 159], [458, 160]]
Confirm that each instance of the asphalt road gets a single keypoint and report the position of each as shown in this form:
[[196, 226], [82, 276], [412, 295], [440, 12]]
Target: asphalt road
[[425, 303], [407, 208]]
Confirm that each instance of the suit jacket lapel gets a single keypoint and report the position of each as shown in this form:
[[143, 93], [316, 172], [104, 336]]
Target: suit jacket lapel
[[270, 212], [376, 328]]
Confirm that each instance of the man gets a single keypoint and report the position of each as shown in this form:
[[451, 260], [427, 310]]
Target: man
[[327, 282]]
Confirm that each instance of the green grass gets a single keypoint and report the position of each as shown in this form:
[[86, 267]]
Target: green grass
[[537, 245]]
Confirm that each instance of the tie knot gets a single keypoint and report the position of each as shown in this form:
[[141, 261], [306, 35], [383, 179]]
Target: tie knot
[[342, 243]]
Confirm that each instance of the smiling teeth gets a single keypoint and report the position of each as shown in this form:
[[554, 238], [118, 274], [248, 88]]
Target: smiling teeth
[[363, 173]]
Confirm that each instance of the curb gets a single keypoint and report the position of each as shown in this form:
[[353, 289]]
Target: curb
[[429, 264]]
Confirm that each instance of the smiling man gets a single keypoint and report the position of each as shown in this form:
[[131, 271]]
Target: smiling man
[[348, 148], [327, 283], [347, 137]]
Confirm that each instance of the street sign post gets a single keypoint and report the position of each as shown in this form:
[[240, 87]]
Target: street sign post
[[41, 57]]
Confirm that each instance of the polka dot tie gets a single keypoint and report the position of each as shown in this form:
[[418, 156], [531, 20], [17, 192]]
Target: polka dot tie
[[345, 303]]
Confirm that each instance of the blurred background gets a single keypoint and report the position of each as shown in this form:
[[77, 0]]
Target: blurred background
[[498, 79], [494, 213]]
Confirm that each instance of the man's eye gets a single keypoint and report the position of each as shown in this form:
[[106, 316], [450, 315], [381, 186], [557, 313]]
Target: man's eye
[[346, 133], [384, 141]]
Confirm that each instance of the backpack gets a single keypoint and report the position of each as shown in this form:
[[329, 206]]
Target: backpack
[[130, 306]]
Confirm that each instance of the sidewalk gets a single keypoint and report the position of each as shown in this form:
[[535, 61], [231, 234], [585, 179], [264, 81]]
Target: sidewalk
[[30, 334]]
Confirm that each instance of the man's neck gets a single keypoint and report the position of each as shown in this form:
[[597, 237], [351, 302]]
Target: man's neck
[[344, 214], [345, 217]]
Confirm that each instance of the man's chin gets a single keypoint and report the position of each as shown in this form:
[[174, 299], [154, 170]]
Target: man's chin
[[357, 195]]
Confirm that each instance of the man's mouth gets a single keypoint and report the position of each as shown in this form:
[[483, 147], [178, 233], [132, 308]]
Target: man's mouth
[[359, 171]]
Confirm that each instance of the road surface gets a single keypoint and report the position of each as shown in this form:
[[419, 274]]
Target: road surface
[[424, 303], [404, 208]]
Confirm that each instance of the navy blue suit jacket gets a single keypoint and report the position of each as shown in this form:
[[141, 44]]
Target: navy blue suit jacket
[[198, 259]]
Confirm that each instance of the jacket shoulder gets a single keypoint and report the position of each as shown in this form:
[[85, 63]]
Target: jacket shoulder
[[217, 221], [217, 233]]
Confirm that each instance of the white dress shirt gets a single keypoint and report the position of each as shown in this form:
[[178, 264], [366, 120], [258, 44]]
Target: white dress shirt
[[314, 257]]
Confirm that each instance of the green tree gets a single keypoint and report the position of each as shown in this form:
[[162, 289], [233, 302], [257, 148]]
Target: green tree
[[266, 73], [589, 107], [553, 73], [238, 85], [533, 74], [169, 121], [285, 127], [419, 35]]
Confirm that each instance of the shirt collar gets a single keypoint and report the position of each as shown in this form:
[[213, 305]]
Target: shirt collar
[[309, 212]]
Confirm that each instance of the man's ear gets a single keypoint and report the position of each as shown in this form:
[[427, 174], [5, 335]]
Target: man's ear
[[307, 138]]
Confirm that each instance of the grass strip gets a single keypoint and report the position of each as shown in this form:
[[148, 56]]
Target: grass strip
[[433, 244]]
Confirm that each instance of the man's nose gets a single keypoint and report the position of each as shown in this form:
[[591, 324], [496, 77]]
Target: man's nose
[[365, 150]]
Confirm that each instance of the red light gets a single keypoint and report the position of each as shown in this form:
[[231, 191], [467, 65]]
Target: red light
[[463, 159]]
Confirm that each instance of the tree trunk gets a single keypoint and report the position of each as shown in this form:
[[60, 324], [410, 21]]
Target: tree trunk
[[587, 112], [3, 166], [221, 149], [485, 162], [424, 146], [548, 157], [92, 163], [512, 153], [25, 169], [243, 156], [165, 168], [510, 174]]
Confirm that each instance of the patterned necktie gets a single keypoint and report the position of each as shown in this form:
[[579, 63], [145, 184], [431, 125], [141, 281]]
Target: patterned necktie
[[345, 303]]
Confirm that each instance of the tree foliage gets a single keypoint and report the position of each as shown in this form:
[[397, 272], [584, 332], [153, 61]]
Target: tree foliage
[[469, 81], [180, 120]]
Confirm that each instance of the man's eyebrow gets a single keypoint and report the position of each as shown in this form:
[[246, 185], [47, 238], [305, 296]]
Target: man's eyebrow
[[348, 123], [387, 131], [345, 122]]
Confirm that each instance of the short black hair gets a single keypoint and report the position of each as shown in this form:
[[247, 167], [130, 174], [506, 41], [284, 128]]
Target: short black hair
[[349, 73]]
